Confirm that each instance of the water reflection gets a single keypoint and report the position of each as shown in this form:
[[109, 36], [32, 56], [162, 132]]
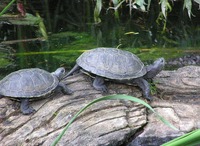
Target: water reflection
[[62, 49]]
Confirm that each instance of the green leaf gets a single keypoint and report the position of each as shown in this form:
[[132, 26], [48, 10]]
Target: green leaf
[[141, 4], [188, 6], [197, 1], [115, 3], [148, 5], [119, 96], [97, 11], [189, 139], [165, 6], [7, 7], [42, 27]]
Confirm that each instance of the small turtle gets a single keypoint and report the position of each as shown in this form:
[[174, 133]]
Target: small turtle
[[32, 83], [119, 66]]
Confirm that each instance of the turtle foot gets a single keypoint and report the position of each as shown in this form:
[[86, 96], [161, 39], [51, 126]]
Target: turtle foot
[[99, 85], [25, 108], [28, 111], [68, 91], [64, 89], [149, 98], [102, 88]]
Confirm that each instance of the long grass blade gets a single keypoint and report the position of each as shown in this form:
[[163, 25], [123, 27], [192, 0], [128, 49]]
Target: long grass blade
[[189, 139], [7, 7], [119, 96]]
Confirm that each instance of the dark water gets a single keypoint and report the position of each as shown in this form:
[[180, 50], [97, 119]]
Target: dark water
[[62, 49], [71, 30], [59, 50]]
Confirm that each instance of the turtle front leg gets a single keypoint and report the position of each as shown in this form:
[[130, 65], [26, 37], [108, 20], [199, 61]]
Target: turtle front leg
[[25, 108], [64, 89], [98, 84], [144, 85]]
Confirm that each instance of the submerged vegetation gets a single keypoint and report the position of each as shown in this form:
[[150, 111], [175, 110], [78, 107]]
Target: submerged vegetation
[[146, 28]]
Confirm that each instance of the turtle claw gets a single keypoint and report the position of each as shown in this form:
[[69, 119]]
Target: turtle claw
[[28, 111], [69, 91], [103, 88]]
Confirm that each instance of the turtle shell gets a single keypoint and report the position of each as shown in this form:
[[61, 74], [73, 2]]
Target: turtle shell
[[112, 63], [27, 83]]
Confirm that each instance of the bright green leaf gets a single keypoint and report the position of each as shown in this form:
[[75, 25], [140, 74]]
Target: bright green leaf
[[7, 7], [189, 139]]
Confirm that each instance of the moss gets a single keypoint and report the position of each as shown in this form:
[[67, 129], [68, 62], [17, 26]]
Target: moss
[[72, 41], [3, 61], [75, 44], [149, 54], [64, 48]]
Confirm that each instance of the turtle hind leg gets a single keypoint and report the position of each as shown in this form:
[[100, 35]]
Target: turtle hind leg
[[144, 85], [98, 84], [25, 108], [64, 89], [73, 70]]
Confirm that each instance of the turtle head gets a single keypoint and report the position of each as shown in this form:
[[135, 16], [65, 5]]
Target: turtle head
[[59, 73], [155, 68]]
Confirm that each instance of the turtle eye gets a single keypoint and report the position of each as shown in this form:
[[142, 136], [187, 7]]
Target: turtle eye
[[63, 70]]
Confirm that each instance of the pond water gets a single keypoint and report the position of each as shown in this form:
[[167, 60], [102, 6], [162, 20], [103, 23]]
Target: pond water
[[62, 49], [71, 30]]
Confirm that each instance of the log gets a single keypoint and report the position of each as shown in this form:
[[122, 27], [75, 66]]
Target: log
[[107, 122], [110, 122], [183, 83]]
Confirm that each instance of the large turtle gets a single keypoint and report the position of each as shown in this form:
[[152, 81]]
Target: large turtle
[[32, 83], [117, 65]]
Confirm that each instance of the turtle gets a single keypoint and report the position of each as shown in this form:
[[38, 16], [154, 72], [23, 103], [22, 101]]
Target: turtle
[[32, 83], [119, 66]]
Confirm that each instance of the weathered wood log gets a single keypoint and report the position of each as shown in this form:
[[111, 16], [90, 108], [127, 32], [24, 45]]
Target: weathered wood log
[[107, 122], [185, 116], [183, 83], [111, 122]]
